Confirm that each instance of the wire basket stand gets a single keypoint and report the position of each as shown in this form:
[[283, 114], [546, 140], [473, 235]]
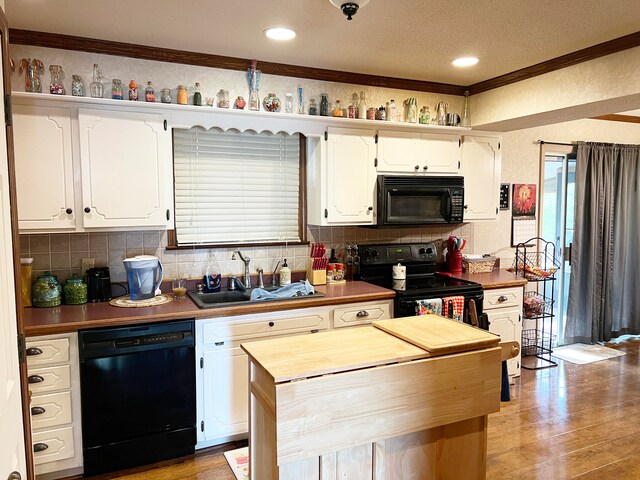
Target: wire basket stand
[[536, 261]]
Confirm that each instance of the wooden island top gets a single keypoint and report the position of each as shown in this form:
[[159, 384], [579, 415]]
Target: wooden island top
[[71, 318], [408, 395]]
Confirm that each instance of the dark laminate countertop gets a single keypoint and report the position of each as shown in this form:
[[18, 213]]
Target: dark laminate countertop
[[70, 318], [498, 278]]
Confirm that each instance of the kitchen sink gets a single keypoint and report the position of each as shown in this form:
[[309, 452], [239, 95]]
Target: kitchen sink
[[237, 297]]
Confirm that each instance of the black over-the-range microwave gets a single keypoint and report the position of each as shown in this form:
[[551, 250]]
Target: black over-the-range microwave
[[412, 200]]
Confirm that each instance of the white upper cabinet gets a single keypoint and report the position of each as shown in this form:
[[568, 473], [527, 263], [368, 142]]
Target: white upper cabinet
[[80, 169], [341, 177], [44, 168], [440, 152], [351, 176], [123, 160], [481, 165], [409, 152]]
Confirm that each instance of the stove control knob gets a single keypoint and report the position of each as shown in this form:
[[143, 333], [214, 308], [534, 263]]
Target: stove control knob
[[422, 251], [374, 253]]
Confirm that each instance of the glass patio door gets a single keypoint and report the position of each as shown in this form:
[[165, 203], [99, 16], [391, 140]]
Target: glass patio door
[[558, 207]]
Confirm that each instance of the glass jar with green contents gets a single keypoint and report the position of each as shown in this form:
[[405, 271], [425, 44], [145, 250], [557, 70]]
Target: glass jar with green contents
[[47, 292], [75, 290]]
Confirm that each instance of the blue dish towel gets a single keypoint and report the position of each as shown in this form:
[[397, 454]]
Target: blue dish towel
[[303, 287]]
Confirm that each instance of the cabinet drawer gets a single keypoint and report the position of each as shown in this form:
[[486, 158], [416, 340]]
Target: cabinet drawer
[[47, 352], [50, 410], [360, 314], [52, 445], [49, 379], [216, 332], [502, 297]]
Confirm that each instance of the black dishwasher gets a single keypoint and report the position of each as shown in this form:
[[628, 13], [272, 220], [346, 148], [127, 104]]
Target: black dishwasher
[[138, 395]]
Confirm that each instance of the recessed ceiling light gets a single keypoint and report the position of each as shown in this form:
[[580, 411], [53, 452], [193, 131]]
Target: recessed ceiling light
[[279, 33], [465, 61]]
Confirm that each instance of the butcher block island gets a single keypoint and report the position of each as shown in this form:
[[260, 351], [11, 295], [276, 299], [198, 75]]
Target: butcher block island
[[404, 398]]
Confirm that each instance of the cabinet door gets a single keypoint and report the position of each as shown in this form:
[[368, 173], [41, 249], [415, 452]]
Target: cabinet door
[[481, 171], [351, 176], [398, 152], [225, 391], [440, 153], [44, 168], [123, 168], [507, 322]]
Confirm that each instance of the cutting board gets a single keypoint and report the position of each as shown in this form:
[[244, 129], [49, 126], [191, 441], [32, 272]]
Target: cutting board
[[438, 335], [345, 349]]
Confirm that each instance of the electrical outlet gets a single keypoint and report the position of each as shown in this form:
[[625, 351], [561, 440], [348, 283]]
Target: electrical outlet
[[87, 263]]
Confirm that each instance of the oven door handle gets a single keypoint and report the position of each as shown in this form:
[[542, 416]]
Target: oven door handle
[[447, 210]]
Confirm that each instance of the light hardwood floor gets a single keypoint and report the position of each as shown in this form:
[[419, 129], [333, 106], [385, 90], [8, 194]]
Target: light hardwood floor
[[570, 421]]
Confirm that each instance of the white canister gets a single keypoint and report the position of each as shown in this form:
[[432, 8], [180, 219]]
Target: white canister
[[399, 272]]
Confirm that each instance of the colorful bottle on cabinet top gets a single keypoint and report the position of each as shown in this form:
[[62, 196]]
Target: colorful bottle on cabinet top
[[197, 96], [56, 87], [149, 93], [133, 91], [116, 89]]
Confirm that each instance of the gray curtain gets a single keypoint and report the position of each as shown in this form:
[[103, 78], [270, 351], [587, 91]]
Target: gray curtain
[[604, 291]]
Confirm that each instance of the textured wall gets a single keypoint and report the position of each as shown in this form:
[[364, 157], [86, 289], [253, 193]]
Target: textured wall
[[597, 82], [520, 164], [211, 80], [61, 253]]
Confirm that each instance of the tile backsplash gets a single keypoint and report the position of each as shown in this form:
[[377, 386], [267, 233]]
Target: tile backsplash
[[62, 253]]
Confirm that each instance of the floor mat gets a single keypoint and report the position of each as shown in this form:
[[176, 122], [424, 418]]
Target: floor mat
[[238, 460], [580, 353]]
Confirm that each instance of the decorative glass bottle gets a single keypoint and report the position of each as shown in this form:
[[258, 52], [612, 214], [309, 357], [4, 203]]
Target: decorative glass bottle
[[133, 91], [77, 87], [56, 87], [337, 109], [425, 116], [465, 119], [96, 87], [149, 93], [313, 107], [32, 69], [183, 96], [197, 96], [362, 107], [165, 95], [392, 111], [271, 103], [240, 103], [116, 89], [324, 105], [223, 98], [288, 103]]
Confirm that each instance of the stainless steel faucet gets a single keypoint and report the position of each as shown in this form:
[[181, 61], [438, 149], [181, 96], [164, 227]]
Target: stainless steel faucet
[[245, 260], [274, 283], [260, 278]]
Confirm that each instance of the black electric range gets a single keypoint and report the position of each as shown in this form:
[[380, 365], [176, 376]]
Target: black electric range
[[422, 282]]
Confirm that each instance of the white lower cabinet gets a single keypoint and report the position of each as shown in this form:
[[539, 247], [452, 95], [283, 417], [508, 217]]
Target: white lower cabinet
[[504, 308], [54, 382], [222, 367]]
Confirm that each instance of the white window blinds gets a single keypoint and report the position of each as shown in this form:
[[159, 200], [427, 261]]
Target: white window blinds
[[235, 187]]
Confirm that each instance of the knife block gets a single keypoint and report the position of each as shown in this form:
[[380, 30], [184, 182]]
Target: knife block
[[316, 277]]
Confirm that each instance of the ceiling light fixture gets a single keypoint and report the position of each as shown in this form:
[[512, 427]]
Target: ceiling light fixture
[[349, 9], [465, 61], [280, 33]]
